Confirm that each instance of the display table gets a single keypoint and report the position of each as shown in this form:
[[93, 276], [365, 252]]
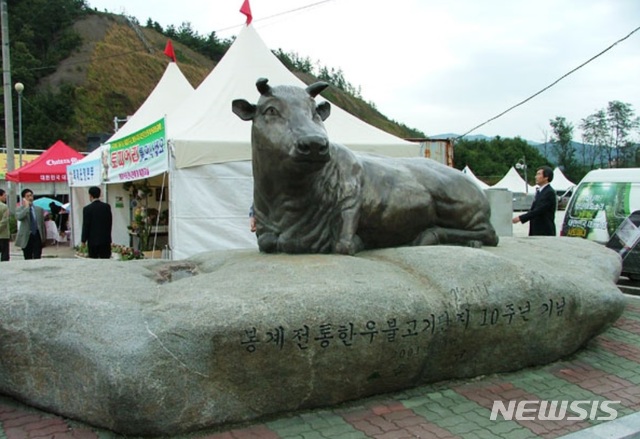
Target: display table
[[52, 233]]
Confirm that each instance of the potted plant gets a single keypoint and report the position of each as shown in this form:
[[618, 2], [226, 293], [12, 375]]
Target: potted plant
[[81, 251], [124, 253]]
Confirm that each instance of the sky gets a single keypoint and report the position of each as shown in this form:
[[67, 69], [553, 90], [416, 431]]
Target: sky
[[445, 66]]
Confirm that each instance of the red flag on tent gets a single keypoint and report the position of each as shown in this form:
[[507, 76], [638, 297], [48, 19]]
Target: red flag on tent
[[168, 50], [246, 10]]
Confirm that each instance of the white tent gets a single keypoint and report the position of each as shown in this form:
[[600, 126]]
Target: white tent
[[560, 182], [169, 92], [171, 89], [206, 131], [211, 168], [513, 182], [481, 184]]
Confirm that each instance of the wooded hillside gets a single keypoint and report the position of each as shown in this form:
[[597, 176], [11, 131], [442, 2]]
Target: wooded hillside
[[82, 68]]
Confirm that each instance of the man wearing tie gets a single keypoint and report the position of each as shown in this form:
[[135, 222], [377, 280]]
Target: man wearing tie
[[31, 233], [542, 214]]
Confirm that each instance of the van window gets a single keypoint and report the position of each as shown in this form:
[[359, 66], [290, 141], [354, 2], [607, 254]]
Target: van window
[[597, 209]]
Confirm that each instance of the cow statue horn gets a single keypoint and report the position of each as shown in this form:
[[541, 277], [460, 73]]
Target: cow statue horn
[[263, 87], [316, 88]]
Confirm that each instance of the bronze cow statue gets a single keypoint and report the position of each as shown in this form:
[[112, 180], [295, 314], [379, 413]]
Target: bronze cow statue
[[315, 196]]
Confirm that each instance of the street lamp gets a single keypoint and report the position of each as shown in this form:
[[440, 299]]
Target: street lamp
[[20, 88], [522, 164], [116, 120]]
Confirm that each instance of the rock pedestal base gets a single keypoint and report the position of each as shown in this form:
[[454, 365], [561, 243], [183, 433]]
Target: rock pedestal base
[[155, 347]]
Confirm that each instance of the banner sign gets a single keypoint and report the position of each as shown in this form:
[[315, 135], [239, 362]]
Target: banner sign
[[86, 172], [142, 154], [26, 158]]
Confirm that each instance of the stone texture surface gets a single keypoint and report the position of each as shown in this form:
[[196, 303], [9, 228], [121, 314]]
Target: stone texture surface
[[236, 335]]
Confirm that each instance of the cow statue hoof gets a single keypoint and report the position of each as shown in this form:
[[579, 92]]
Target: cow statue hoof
[[268, 242], [428, 237], [348, 247]]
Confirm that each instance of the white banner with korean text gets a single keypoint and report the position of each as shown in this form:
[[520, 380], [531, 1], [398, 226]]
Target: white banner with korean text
[[140, 155]]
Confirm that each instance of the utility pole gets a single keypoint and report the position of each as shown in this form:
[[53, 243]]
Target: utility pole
[[8, 107]]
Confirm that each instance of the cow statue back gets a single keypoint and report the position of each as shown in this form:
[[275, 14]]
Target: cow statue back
[[315, 196]]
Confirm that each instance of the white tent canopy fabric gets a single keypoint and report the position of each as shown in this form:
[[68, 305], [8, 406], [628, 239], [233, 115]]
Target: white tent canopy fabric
[[469, 173], [172, 88], [513, 182], [205, 130], [560, 181]]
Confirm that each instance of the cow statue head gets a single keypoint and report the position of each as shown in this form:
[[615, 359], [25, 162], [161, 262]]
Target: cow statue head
[[287, 122]]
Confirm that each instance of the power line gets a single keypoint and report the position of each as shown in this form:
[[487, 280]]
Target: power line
[[279, 14], [550, 85]]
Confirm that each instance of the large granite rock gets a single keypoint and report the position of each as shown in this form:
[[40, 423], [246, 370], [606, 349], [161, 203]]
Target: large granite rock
[[152, 347]]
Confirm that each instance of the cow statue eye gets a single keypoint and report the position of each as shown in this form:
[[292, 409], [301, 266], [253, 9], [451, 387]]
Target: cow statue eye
[[271, 111]]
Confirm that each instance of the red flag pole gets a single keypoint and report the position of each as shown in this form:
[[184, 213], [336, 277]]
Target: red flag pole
[[246, 10]]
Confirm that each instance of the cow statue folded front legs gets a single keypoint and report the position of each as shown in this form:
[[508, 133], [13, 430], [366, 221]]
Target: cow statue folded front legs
[[314, 196]]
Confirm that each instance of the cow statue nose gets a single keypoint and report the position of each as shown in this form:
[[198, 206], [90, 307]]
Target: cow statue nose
[[313, 147]]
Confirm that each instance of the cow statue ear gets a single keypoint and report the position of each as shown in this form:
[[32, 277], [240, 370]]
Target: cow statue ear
[[324, 110], [243, 109]]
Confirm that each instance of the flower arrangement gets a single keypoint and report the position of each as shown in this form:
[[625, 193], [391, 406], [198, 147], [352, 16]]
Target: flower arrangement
[[141, 226], [123, 252], [126, 253], [81, 250], [142, 220], [138, 190]]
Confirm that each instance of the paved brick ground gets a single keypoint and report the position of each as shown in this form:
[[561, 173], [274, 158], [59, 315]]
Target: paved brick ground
[[607, 369]]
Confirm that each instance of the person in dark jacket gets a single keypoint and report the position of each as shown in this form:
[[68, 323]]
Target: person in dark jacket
[[542, 215], [96, 226]]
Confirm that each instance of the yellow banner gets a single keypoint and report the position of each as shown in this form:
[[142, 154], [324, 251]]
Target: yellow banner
[[26, 158]]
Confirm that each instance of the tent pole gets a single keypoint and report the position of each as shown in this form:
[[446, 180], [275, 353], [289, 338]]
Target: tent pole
[[155, 234]]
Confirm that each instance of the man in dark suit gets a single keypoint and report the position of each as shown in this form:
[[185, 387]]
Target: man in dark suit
[[542, 215], [96, 226]]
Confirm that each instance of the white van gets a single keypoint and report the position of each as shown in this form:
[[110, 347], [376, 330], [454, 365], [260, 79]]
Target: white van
[[605, 207]]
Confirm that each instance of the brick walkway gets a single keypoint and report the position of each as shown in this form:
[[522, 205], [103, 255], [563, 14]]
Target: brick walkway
[[607, 369]]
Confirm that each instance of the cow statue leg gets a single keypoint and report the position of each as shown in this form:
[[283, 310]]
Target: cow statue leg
[[350, 194], [471, 238], [349, 243]]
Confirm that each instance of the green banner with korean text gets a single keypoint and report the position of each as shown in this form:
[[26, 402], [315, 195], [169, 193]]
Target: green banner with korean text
[[142, 154]]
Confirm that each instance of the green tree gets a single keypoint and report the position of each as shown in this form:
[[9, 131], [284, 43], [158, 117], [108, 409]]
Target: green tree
[[608, 135], [295, 62], [621, 121], [491, 159], [563, 143], [595, 133], [40, 36]]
